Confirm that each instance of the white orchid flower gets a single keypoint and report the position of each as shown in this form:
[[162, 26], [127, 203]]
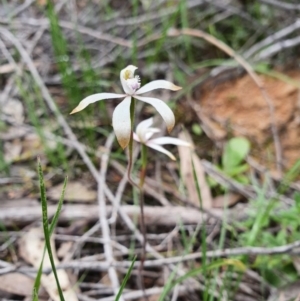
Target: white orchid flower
[[144, 132], [131, 86]]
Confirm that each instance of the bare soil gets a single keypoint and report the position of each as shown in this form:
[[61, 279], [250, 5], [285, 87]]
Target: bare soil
[[238, 108]]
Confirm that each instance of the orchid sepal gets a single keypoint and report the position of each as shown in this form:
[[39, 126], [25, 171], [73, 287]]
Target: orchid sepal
[[93, 98], [157, 84], [162, 150], [165, 112], [121, 122]]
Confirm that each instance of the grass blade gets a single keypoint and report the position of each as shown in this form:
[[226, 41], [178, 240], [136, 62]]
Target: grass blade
[[58, 210], [48, 231], [37, 282], [125, 279], [194, 272]]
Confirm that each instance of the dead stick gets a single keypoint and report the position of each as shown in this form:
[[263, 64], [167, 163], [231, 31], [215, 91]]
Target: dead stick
[[156, 215]]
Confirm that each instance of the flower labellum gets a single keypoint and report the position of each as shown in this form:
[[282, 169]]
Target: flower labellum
[[132, 88], [144, 132]]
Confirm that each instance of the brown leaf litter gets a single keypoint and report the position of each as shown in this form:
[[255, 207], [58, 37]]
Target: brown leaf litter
[[188, 158], [31, 247], [75, 192]]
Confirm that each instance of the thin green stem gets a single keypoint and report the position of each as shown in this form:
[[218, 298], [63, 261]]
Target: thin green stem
[[142, 181], [144, 165], [139, 187], [130, 146], [142, 219]]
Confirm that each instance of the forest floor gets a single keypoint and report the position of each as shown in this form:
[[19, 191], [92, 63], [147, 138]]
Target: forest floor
[[222, 221]]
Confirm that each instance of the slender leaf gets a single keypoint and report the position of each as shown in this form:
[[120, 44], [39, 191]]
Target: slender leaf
[[192, 273], [125, 279], [47, 231]]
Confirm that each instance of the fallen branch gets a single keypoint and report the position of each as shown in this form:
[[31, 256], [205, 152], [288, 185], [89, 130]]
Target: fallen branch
[[281, 4], [156, 215], [292, 249], [108, 250]]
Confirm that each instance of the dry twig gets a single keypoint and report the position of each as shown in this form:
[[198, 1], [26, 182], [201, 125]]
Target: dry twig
[[108, 251], [154, 215], [291, 249], [281, 4]]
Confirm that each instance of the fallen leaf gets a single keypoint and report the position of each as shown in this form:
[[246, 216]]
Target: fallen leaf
[[18, 203], [186, 167], [7, 68], [12, 150], [75, 192], [17, 284], [23, 171], [14, 108], [226, 200], [13, 132], [64, 249], [31, 247], [26, 148], [42, 2]]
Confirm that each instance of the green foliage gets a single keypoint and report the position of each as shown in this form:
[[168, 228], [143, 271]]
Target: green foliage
[[60, 46], [125, 279], [33, 100], [232, 161], [196, 129], [235, 151], [4, 167], [284, 223], [47, 234], [197, 271]]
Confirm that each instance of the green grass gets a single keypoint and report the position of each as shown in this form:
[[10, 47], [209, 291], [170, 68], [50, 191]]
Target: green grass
[[4, 166], [33, 100], [265, 212], [62, 57], [125, 280], [48, 230], [195, 272]]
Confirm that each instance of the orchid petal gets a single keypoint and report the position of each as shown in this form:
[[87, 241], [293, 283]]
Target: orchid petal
[[144, 131], [93, 98], [169, 140], [157, 84], [145, 124], [143, 128], [165, 112], [121, 121], [161, 149], [136, 137], [151, 132], [125, 74]]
